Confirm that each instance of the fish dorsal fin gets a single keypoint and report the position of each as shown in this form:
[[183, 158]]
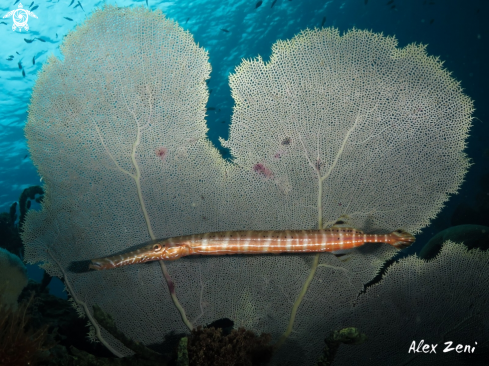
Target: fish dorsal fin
[[343, 221], [344, 224]]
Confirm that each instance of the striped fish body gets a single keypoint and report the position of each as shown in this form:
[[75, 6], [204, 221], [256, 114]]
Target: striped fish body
[[254, 242], [286, 241]]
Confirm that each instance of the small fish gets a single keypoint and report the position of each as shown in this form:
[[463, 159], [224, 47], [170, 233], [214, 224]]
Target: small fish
[[79, 3], [390, 2], [31, 4], [72, 1], [17, 53], [29, 40], [224, 30], [211, 109], [3, 23], [324, 21], [42, 40], [187, 20], [56, 35], [393, 7], [76, 6], [432, 21], [366, 2], [9, 59], [25, 156], [146, 2], [258, 4], [23, 72], [33, 62], [68, 19], [16, 1], [274, 1], [20, 65], [35, 7]]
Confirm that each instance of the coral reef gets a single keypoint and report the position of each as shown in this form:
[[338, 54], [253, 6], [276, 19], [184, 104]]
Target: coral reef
[[20, 343], [13, 278], [209, 347], [69, 331], [346, 336], [205, 346], [143, 355], [9, 231], [59, 314]]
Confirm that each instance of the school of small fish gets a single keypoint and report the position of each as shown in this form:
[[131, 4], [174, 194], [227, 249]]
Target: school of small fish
[[258, 4], [33, 7]]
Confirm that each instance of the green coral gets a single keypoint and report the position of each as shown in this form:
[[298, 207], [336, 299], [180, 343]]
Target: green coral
[[346, 336], [182, 352]]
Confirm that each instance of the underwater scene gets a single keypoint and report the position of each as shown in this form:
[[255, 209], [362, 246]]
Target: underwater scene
[[249, 182]]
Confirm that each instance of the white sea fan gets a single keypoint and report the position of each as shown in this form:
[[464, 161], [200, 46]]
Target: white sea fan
[[332, 125]]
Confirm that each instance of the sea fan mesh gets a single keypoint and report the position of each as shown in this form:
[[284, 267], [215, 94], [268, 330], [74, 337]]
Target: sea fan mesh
[[438, 301], [380, 129], [117, 132]]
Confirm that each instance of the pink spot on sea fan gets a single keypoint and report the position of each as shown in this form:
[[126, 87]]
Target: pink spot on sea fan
[[161, 153], [263, 170]]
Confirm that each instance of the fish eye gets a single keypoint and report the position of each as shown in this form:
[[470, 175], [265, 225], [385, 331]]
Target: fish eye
[[157, 247]]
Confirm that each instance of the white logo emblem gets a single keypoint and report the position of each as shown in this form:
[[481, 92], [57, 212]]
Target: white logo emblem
[[20, 17]]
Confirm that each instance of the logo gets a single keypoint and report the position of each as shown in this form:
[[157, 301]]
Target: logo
[[20, 17]]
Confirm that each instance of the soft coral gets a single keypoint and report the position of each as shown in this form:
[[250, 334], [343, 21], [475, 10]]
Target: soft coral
[[20, 344]]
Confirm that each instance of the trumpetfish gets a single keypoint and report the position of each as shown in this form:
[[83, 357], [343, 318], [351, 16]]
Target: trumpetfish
[[334, 239]]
